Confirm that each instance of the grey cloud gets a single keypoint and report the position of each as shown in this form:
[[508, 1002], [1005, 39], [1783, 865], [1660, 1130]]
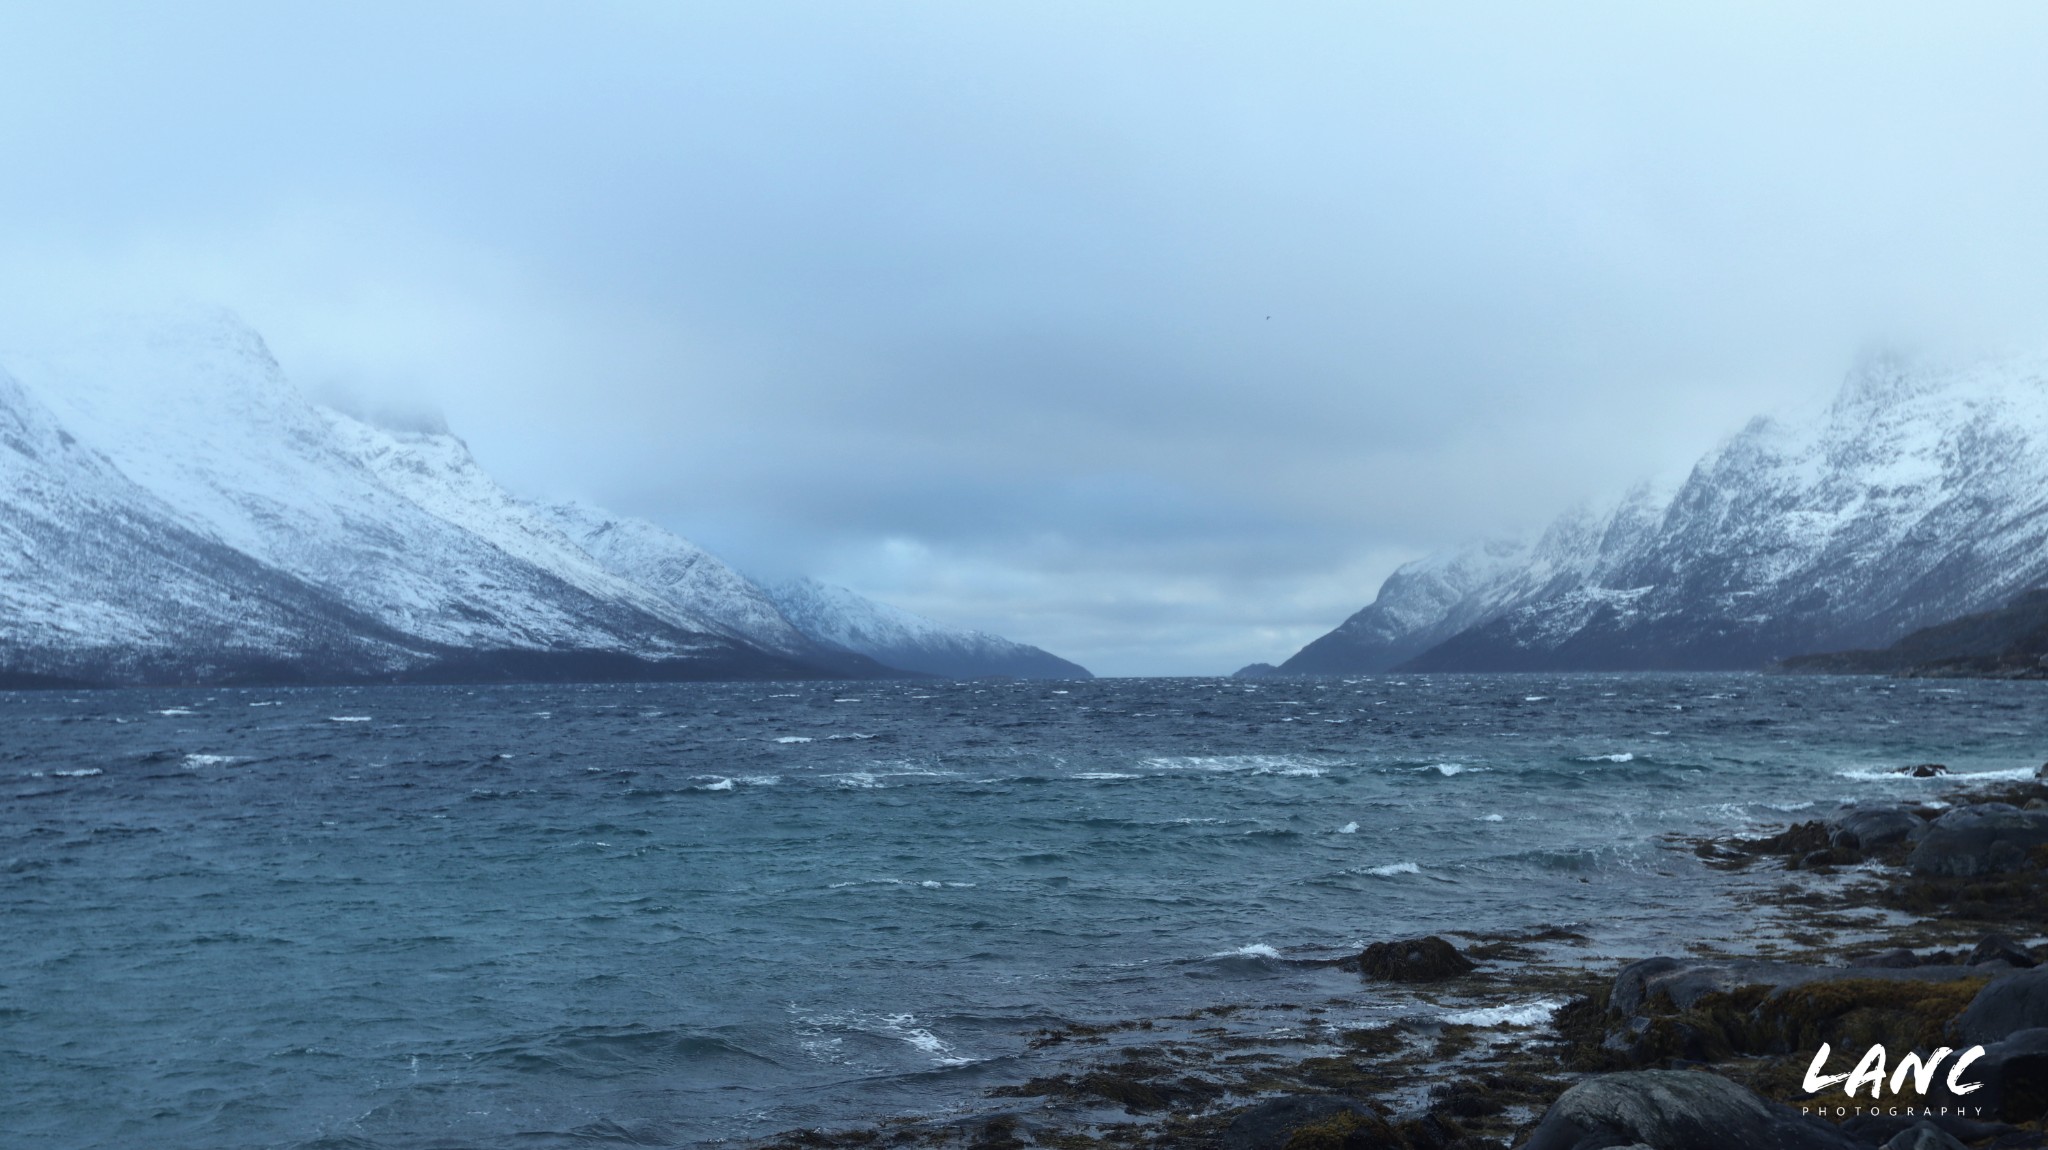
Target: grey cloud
[[809, 281]]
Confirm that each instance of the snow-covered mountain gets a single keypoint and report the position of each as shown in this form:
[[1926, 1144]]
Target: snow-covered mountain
[[1919, 495], [838, 617], [175, 510], [100, 580]]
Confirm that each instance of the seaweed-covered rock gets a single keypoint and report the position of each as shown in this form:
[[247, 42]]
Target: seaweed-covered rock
[[2005, 1007], [1692, 1012], [1426, 959], [1984, 838], [1676, 1110], [1680, 984], [1269, 1125]]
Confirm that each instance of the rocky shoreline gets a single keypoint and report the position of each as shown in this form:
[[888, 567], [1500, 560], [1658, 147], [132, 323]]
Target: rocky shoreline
[[1901, 925]]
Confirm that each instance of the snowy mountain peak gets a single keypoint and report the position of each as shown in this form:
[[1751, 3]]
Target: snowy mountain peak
[[1920, 494], [172, 508]]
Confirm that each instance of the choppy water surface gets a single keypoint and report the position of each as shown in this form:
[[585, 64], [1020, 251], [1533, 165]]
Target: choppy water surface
[[544, 916]]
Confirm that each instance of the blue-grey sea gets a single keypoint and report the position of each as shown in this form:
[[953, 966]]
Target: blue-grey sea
[[541, 916]]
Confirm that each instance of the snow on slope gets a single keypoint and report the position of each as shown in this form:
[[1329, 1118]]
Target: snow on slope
[[1919, 495], [99, 581], [175, 510], [690, 579], [198, 413], [898, 638]]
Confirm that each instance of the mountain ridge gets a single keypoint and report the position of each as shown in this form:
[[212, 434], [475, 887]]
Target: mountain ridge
[[174, 510], [1919, 494]]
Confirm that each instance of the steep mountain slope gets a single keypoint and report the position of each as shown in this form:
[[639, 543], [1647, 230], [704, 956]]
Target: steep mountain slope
[[899, 638], [698, 587], [380, 555], [100, 582], [2010, 642], [1921, 494]]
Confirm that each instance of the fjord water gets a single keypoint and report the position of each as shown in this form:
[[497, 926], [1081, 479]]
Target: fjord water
[[663, 914]]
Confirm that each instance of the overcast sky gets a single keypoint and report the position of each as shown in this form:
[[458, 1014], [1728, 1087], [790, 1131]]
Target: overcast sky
[[1153, 334]]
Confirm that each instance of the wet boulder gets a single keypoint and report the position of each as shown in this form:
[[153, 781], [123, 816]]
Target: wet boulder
[[1998, 948], [1985, 838], [1910, 1131], [1923, 1136], [1874, 825], [1922, 770], [1425, 959], [1272, 1124], [2014, 1079], [1665, 1010], [1676, 1110], [2005, 1007]]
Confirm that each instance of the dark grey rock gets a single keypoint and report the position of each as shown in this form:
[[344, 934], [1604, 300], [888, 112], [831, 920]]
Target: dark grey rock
[[1631, 986], [1998, 948], [1880, 1129], [2012, 1077], [1923, 1136], [1425, 959], [1870, 827], [1685, 983], [1981, 839], [1676, 1110], [2007, 1006]]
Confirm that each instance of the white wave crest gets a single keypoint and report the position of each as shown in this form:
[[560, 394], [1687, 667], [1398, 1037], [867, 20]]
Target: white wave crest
[[1533, 1013], [1289, 765], [1255, 950], [794, 739], [1348, 829], [1616, 757], [1392, 869]]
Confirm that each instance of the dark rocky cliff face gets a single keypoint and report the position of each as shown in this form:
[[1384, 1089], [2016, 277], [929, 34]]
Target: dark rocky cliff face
[[2010, 642]]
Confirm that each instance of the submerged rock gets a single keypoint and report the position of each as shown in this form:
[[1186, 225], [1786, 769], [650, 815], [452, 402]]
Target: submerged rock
[[1981, 839], [1426, 959], [1676, 1110]]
